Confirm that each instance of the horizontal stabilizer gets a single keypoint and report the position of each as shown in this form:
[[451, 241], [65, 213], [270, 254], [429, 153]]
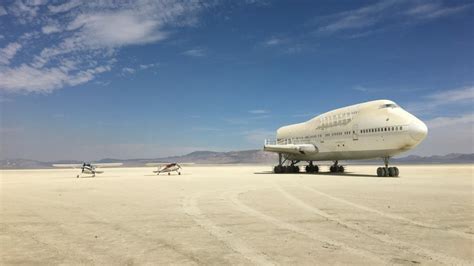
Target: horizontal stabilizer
[[291, 148]]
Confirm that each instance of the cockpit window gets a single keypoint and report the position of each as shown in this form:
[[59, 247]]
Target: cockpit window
[[389, 105]]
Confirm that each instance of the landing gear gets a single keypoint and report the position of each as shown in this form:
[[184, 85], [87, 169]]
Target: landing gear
[[286, 169], [335, 168], [179, 173], [387, 171], [311, 168], [280, 168]]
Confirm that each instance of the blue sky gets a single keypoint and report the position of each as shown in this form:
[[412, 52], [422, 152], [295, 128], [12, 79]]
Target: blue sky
[[139, 79]]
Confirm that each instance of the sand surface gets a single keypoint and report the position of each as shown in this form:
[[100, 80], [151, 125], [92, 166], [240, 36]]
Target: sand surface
[[238, 215]]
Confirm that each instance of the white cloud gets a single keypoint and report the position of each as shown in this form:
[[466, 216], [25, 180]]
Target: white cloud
[[48, 29], [195, 53], [147, 66], [116, 29], [65, 7], [273, 41], [440, 122], [358, 18], [27, 79], [435, 10], [7, 53], [2, 11], [384, 13], [453, 96], [92, 33], [259, 111], [448, 135], [128, 71], [23, 12], [435, 101]]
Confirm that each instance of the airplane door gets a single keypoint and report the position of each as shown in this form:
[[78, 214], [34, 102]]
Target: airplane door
[[355, 132]]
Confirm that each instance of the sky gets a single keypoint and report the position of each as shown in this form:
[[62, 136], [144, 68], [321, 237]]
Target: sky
[[143, 79]]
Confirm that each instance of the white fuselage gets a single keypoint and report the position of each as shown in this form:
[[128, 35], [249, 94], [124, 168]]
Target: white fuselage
[[362, 131]]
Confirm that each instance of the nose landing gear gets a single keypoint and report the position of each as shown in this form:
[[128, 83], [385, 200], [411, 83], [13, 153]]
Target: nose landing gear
[[387, 171]]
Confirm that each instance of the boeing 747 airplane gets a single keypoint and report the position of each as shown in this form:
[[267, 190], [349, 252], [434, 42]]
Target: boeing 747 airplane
[[376, 129]]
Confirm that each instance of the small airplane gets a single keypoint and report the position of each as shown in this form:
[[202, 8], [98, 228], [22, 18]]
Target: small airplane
[[166, 168], [88, 168]]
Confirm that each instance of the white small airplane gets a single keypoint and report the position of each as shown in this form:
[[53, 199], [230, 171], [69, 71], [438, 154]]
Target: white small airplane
[[376, 129], [88, 168], [166, 168]]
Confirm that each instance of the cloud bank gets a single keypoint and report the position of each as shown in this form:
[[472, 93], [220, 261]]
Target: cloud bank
[[79, 40]]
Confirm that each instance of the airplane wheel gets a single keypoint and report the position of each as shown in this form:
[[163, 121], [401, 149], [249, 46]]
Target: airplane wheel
[[312, 169], [391, 171], [380, 172], [296, 169], [278, 169], [331, 169], [287, 169], [341, 169], [169, 173], [179, 173], [396, 171]]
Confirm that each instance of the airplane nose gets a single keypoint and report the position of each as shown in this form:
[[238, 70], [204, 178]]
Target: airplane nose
[[418, 130]]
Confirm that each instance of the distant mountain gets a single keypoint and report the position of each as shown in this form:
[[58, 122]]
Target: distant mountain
[[23, 164], [448, 158], [235, 157]]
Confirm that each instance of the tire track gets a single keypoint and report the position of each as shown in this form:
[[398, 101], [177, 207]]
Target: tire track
[[307, 233], [389, 215], [190, 207], [101, 221], [405, 246]]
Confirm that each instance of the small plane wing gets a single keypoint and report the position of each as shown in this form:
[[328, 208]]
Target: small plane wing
[[107, 164], [163, 164], [68, 165], [291, 148]]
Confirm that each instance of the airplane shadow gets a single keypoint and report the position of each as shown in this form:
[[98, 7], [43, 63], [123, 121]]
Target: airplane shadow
[[166, 175], [324, 173]]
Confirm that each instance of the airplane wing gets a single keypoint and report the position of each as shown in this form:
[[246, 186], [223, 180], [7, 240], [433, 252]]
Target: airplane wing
[[66, 165], [107, 164], [291, 148], [162, 164]]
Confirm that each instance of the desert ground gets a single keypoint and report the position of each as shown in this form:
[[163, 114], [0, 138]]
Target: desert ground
[[238, 215]]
